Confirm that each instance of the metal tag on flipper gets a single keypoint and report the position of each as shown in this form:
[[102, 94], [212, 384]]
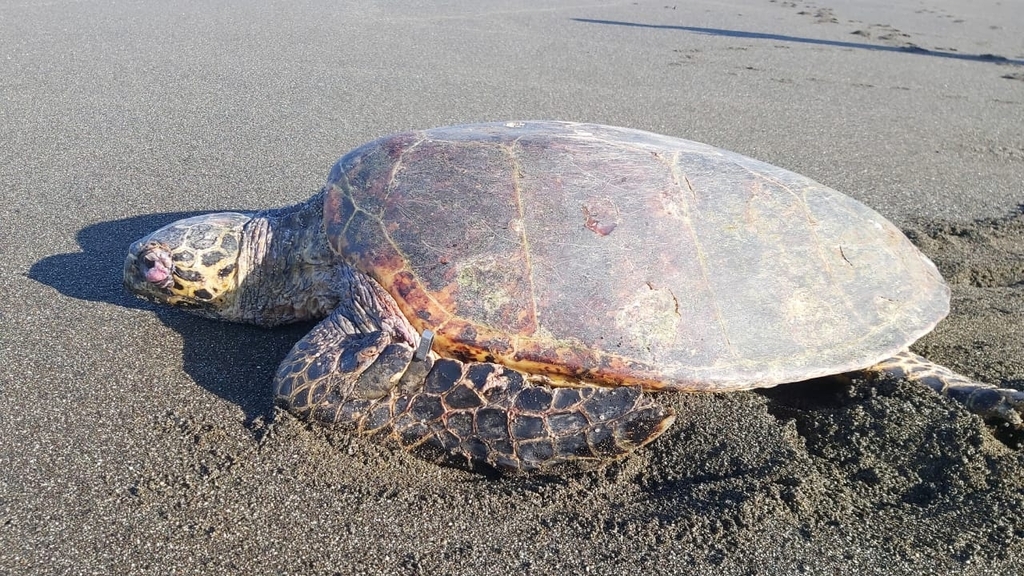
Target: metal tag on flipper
[[416, 371], [426, 340]]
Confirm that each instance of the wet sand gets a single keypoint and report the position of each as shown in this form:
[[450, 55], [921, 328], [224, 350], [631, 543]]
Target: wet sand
[[144, 441]]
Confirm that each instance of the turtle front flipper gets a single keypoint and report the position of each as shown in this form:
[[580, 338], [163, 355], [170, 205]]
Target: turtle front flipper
[[486, 412], [985, 400], [359, 369]]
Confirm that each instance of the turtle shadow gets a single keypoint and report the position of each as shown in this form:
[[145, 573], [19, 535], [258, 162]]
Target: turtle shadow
[[233, 361]]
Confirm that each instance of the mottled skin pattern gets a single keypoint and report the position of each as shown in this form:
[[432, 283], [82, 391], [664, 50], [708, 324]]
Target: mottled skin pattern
[[556, 271]]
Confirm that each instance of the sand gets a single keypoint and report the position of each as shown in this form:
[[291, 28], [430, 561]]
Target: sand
[[143, 441]]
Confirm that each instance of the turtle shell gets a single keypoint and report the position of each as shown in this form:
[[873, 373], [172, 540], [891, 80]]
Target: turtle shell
[[616, 256]]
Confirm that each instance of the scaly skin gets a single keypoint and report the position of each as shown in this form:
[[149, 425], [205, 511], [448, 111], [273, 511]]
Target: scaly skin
[[267, 268]]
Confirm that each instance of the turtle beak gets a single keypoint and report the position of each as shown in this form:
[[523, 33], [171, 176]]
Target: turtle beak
[[154, 265]]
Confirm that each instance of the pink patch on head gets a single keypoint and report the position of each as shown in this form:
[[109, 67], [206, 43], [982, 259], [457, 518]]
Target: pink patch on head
[[156, 274]]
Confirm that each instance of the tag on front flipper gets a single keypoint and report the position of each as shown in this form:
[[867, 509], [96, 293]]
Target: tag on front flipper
[[420, 365], [426, 341]]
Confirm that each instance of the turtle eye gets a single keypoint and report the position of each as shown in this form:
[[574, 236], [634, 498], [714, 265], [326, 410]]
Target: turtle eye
[[189, 275]]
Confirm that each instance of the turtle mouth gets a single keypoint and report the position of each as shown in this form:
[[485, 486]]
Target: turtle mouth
[[156, 266]]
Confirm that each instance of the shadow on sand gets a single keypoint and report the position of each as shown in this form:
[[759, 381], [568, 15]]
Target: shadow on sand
[[233, 361], [837, 43]]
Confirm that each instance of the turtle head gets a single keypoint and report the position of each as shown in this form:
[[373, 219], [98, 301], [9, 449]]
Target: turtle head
[[192, 263]]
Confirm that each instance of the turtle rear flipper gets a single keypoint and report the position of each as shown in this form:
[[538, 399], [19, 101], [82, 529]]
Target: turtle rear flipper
[[984, 399], [357, 369]]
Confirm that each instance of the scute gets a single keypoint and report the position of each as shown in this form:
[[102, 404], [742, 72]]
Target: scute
[[618, 256]]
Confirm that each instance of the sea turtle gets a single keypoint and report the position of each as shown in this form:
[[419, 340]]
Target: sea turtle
[[506, 293]]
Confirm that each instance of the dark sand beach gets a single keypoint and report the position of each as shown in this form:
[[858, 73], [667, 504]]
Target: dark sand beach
[[138, 440]]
